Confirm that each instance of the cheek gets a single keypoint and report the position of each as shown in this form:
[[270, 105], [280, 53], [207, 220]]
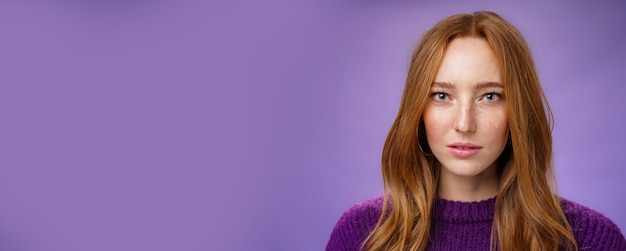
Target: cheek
[[499, 128], [435, 124]]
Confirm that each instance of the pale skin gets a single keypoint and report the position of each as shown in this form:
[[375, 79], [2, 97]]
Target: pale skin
[[466, 120]]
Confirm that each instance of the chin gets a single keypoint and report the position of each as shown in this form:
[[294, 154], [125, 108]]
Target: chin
[[459, 169], [465, 173]]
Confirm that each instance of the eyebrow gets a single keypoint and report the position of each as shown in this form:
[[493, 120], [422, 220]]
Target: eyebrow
[[480, 85]]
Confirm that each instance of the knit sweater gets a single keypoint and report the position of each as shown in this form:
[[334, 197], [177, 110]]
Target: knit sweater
[[467, 226]]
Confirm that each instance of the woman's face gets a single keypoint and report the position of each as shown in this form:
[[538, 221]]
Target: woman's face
[[466, 116]]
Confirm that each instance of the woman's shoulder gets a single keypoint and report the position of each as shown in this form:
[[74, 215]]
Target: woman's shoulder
[[592, 230], [355, 224]]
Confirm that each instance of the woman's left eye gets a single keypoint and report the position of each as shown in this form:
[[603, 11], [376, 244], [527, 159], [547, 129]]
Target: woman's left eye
[[491, 97]]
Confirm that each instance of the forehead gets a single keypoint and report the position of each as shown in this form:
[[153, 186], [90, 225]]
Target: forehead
[[469, 60]]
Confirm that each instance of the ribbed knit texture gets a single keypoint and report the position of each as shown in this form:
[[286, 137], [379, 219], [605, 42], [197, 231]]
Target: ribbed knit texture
[[467, 226]]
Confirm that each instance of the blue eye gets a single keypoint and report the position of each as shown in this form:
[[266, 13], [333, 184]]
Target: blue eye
[[491, 97], [440, 96]]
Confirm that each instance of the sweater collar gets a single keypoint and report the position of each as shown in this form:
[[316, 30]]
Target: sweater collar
[[465, 212]]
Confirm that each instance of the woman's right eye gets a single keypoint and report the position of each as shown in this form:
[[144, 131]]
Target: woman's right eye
[[440, 96]]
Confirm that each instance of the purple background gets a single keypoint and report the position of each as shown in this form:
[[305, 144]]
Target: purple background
[[188, 125]]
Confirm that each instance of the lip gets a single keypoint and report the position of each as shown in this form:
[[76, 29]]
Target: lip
[[463, 150]]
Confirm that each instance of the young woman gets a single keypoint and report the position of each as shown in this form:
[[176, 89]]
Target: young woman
[[467, 164]]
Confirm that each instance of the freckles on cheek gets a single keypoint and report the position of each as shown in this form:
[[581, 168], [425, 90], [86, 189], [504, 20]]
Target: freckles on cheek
[[434, 130], [430, 122], [498, 121], [500, 125]]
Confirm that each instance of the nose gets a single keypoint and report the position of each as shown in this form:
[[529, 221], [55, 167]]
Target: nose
[[465, 121]]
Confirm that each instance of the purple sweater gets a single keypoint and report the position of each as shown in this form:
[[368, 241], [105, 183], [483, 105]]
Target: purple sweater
[[467, 226]]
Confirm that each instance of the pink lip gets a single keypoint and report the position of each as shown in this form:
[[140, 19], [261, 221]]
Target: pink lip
[[463, 150]]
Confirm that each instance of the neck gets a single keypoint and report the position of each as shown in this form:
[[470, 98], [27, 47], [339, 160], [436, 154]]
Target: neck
[[468, 188]]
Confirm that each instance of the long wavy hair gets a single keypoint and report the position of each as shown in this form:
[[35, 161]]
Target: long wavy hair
[[528, 214]]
